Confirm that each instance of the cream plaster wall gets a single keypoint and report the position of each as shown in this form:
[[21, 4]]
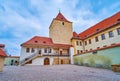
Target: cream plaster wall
[[1, 63], [108, 41], [61, 33]]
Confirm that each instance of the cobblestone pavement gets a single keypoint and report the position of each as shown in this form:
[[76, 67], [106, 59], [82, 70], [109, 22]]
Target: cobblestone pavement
[[57, 73]]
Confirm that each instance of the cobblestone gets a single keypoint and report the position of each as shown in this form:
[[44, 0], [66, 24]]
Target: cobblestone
[[57, 73]]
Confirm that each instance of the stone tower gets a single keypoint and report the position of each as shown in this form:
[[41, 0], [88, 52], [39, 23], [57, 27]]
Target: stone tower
[[61, 30]]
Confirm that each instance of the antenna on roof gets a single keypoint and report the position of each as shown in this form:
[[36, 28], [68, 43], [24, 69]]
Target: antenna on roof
[[59, 10]]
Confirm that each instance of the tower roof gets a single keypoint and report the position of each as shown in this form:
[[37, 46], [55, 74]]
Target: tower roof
[[61, 17]]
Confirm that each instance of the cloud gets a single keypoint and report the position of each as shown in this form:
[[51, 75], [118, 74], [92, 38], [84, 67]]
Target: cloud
[[21, 20]]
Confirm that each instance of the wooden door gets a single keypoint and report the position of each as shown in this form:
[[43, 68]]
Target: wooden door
[[46, 61], [60, 52]]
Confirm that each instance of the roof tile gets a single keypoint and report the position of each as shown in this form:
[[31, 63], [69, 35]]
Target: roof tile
[[106, 23], [2, 53]]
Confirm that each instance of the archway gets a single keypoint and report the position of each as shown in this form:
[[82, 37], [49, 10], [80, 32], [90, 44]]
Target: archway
[[46, 61]]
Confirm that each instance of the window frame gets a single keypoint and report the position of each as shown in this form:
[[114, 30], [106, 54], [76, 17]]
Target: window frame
[[111, 34], [45, 50], [77, 43], [90, 41], [103, 36], [32, 50], [85, 42], [27, 50], [118, 31], [96, 39]]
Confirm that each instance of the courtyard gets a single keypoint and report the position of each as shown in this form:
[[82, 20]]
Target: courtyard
[[57, 73]]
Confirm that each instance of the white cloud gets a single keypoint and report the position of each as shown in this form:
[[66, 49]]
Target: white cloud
[[27, 19]]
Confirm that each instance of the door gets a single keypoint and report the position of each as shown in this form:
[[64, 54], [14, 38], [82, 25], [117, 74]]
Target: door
[[60, 52], [46, 61], [40, 52]]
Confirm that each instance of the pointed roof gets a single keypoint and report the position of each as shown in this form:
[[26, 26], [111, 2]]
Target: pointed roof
[[104, 24], [61, 17]]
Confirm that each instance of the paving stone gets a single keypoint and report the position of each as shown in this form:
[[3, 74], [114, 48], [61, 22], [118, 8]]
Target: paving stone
[[57, 73]]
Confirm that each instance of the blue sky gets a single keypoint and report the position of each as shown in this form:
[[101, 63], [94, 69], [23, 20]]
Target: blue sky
[[20, 20]]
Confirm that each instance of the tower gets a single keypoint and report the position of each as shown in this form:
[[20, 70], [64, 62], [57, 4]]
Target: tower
[[61, 30]]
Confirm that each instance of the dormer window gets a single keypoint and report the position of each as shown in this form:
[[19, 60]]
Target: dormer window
[[44, 42], [118, 20], [98, 29], [36, 41]]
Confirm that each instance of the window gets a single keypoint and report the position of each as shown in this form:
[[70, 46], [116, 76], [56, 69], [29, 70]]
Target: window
[[111, 34], [49, 51], [45, 50], [32, 50], [27, 50], [77, 51], [77, 43], [89, 41], [118, 31], [103, 36], [96, 39], [62, 23], [80, 43], [85, 42]]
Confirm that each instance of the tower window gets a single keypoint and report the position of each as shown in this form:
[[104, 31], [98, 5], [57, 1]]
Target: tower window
[[63, 23]]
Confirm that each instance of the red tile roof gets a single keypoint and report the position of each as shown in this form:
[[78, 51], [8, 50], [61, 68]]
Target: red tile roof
[[2, 53], [44, 41], [106, 23], [39, 40], [75, 34], [61, 17]]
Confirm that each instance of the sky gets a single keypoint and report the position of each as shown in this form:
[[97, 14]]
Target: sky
[[20, 20]]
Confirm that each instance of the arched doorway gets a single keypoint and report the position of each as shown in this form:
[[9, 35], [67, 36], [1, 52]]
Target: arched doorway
[[46, 61]]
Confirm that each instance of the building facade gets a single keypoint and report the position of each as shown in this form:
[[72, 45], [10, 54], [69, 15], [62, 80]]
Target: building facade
[[104, 37], [12, 61], [63, 43], [2, 56], [52, 50]]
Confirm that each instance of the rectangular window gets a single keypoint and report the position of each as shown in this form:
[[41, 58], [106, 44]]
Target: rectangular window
[[85, 42], [77, 51], [80, 43], [118, 31], [49, 51], [111, 34], [96, 39], [32, 50], [103, 36], [89, 41], [45, 50], [77, 43], [27, 50]]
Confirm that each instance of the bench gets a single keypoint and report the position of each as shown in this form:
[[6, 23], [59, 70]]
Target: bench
[[116, 67]]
